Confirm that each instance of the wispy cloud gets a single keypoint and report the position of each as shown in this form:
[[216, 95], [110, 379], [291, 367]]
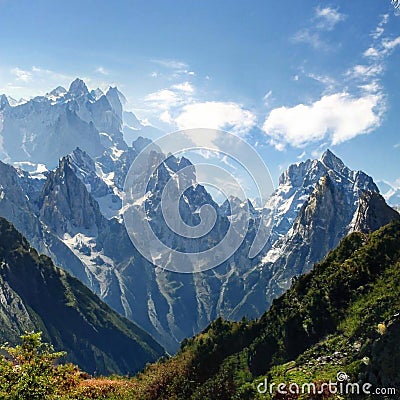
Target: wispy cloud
[[267, 97], [391, 44], [171, 64], [101, 70], [21, 75], [309, 37], [171, 69], [327, 81], [324, 19], [365, 71], [302, 155], [378, 32], [327, 18]]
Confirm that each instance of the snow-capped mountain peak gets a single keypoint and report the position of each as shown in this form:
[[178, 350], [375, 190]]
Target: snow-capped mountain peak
[[58, 91], [78, 88], [331, 161], [298, 182]]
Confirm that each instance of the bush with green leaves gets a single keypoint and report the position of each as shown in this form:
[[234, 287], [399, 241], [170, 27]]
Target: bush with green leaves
[[29, 370]]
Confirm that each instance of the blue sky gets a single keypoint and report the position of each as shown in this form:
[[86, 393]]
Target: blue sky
[[293, 78]]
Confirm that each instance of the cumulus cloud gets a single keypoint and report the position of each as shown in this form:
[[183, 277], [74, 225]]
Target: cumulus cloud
[[337, 117], [216, 115]]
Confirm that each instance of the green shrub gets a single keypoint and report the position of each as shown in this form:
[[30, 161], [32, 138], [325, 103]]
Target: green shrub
[[28, 371]]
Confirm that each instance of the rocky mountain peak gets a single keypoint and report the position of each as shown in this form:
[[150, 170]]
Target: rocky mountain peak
[[116, 99], [58, 91], [78, 88], [373, 213], [331, 161], [140, 143], [4, 102], [81, 158]]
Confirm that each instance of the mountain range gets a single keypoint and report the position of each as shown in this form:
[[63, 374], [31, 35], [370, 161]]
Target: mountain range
[[64, 166]]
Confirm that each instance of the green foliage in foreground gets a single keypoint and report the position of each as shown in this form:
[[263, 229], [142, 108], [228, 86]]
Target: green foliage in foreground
[[27, 371], [343, 316]]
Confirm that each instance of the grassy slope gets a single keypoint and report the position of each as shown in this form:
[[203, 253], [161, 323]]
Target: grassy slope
[[71, 317], [343, 316]]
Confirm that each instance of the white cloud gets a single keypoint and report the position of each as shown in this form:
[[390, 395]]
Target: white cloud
[[328, 17], [166, 117], [338, 117], [343, 112], [325, 80], [312, 38], [302, 155], [371, 52], [186, 87], [216, 115], [267, 97], [371, 87], [365, 71], [317, 153], [171, 64], [47, 74], [390, 45], [375, 54], [325, 19], [378, 32], [172, 69], [21, 75], [163, 99], [101, 70]]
